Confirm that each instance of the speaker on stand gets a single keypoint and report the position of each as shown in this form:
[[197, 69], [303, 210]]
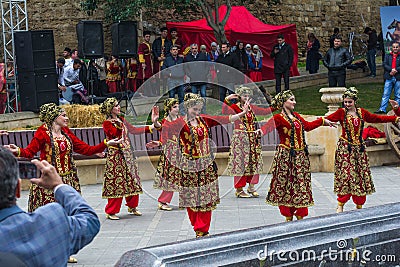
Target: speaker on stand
[[90, 46], [124, 45], [36, 73]]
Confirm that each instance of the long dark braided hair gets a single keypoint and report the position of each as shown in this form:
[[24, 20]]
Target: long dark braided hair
[[292, 151]]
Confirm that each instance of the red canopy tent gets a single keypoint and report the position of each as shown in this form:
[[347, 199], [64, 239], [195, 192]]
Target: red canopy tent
[[242, 25]]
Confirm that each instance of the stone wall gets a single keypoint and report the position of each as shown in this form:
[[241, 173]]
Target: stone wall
[[318, 16]]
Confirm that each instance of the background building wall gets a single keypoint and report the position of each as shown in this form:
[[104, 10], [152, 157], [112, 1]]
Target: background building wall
[[318, 16]]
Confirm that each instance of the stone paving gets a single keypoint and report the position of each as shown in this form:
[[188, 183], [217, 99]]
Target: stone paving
[[157, 227]]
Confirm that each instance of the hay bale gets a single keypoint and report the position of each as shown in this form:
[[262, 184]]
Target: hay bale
[[81, 116]]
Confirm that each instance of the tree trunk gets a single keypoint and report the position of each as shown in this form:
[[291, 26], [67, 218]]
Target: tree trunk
[[212, 17]]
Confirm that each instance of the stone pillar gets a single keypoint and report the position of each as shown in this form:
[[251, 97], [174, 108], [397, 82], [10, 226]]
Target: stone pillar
[[333, 97]]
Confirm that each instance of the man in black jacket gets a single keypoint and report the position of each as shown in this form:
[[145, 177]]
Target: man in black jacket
[[371, 53], [336, 60], [173, 71], [226, 75], [282, 54]]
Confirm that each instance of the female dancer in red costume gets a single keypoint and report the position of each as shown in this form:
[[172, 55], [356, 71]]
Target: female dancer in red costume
[[56, 143], [198, 185], [290, 186], [121, 177], [352, 172], [245, 159], [168, 174]]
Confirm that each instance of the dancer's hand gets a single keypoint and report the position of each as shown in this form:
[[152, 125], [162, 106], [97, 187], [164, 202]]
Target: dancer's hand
[[101, 155], [11, 147], [259, 132], [114, 142], [246, 106], [155, 114], [3, 132], [330, 123]]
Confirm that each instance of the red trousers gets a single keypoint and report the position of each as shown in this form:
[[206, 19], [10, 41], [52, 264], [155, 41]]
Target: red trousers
[[114, 204], [290, 211], [200, 220], [358, 200], [240, 181], [165, 196]]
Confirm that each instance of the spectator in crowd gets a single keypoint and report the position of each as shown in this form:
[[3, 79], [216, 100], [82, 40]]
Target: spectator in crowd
[[197, 72], [131, 73], [161, 48], [255, 64], [113, 78], [67, 56], [226, 74], [282, 54], [174, 73], [101, 66], [75, 91], [145, 69], [336, 61], [214, 51], [175, 40], [313, 55], [49, 235], [391, 67], [333, 36], [60, 80], [242, 58], [371, 53]]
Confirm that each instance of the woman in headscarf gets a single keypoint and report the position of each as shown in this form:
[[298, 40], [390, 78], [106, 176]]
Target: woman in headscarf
[[198, 185], [168, 174], [290, 187], [245, 159], [352, 171], [56, 143], [121, 177]]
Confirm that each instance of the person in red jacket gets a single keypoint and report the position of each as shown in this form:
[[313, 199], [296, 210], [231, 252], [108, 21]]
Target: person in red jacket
[[352, 172], [290, 187], [121, 177], [245, 160]]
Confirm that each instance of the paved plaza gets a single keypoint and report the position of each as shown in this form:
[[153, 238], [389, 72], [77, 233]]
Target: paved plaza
[[157, 227]]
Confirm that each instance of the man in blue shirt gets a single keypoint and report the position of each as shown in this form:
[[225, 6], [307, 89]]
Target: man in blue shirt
[[48, 236]]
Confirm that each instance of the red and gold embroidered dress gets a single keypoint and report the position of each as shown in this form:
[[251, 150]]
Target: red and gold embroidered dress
[[60, 158], [199, 182], [168, 173], [352, 171], [245, 157], [121, 177], [291, 178]]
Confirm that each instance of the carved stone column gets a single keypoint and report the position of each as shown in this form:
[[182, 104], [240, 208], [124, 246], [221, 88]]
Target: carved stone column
[[333, 97]]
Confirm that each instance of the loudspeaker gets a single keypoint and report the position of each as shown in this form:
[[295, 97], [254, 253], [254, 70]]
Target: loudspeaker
[[36, 89], [124, 39], [90, 39], [34, 50]]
